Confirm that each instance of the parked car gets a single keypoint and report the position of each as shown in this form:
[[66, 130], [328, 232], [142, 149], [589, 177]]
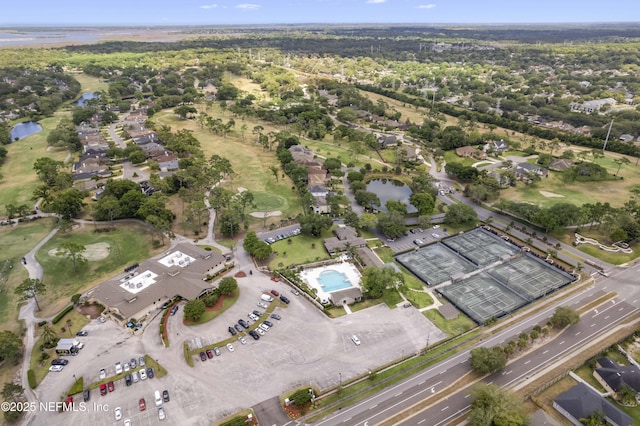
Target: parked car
[[243, 323], [252, 317], [263, 305], [436, 226], [238, 327], [268, 323], [209, 353], [264, 326], [143, 374], [255, 335], [82, 333], [173, 310], [232, 331], [103, 389], [56, 368], [103, 374], [242, 340], [161, 414], [260, 331], [418, 242], [59, 361], [118, 413], [127, 379], [127, 422], [135, 377], [141, 362], [118, 368], [216, 351], [435, 235], [276, 316], [275, 293], [110, 386], [165, 395], [133, 363], [284, 299], [69, 402], [257, 313], [150, 373], [142, 404], [86, 395], [126, 366], [230, 347], [203, 356], [295, 292]]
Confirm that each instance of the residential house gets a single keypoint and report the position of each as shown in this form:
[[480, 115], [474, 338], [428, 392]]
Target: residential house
[[626, 138], [613, 376], [317, 175], [496, 146], [89, 166], [581, 401], [561, 164], [592, 106], [347, 296], [301, 154], [346, 236], [320, 204], [386, 141], [523, 169], [503, 179], [469, 151], [408, 153]]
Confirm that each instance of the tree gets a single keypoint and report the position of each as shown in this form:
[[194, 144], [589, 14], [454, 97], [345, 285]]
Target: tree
[[49, 334], [620, 161], [12, 390], [73, 251], [194, 309], [10, 347], [274, 171], [313, 224], [460, 213], [627, 395], [596, 418], [396, 206], [47, 169], [564, 316], [496, 406], [68, 204], [375, 280], [367, 221], [183, 111], [391, 224], [301, 398], [31, 288], [227, 285], [488, 360], [423, 202], [229, 223]]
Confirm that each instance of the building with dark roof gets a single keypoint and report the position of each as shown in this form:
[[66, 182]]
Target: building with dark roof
[[346, 236], [581, 401], [614, 377]]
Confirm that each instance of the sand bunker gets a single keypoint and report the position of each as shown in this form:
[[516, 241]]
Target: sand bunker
[[551, 194], [269, 214], [95, 251]]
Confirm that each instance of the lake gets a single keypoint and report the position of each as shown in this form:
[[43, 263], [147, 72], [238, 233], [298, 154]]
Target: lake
[[389, 189], [22, 130], [85, 97]]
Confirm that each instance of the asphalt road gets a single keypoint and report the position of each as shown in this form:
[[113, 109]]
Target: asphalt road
[[430, 382]]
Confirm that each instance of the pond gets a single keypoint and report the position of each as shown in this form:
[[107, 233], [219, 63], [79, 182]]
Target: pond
[[22, 130], [86, 97], [389, 189]]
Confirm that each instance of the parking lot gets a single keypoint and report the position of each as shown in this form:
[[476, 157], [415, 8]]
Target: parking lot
[[304, 347], [406, 242]]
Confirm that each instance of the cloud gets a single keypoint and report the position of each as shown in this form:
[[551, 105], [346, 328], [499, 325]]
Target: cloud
[[427, 6], [376, 1], [208, 6], [248, 6]]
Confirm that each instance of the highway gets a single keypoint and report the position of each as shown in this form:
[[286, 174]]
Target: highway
[[433, 380]]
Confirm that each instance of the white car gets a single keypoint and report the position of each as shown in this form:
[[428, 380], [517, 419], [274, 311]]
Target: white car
[[134, 376], [126, 366], [118, 368], [141, 362], [252, 317], [262, 305], [264, 326], [260, 331], [118, 413], [56, 368], [143, 374], [242, 340], [436, 226], [435, 235], [161, 414], [103, 374], [230, 347], [127, 422]]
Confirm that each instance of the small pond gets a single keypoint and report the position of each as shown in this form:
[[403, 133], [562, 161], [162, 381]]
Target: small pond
[[389, 189], [86, 97], [22, 130]]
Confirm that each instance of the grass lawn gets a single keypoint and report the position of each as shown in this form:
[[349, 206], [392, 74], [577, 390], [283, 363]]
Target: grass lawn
[[419, 299], [91, 84], [342, 151], [19, 179], [452, 157], [391, 298], [248, 160], [42, 368], [454, 327], [367, 303], [384, 253], [613, 258], [210, 314], [126, 244], [15, 242], [302, 250]]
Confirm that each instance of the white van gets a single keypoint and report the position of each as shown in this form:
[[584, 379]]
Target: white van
[[158, 397], [266, 298], [355, 340]]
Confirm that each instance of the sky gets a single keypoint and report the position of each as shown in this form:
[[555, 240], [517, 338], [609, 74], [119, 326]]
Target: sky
[[230, 12]]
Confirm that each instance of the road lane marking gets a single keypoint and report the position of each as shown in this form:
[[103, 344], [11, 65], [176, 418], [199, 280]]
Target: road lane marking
[[561, 343], [593, 325], [578, 333], [422, 421], [527, 362], [445, 408], [607, 317], [545, 352], [467, 396]]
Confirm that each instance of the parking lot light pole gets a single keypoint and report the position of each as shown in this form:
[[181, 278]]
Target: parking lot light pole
[[340, 376]]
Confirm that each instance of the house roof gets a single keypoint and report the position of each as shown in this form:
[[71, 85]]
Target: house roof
[[561, 164], [580, 401], [345, 232], [541, 418], [169, 280], [616, 376], [347, 293], [466, 150]]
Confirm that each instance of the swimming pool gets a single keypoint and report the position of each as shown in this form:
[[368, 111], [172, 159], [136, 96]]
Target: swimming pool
[[331, 280]]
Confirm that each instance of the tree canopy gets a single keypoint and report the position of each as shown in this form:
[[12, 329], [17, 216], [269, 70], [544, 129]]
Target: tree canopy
[[494, 406], [564, 316]]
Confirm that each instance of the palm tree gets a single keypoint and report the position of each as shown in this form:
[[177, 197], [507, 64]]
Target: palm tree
[[48, 334], [620, 161]]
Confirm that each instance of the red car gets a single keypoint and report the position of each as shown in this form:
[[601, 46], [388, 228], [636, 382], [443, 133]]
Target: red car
[[142, 404], [275, 293], [103, 389], [110, 386]]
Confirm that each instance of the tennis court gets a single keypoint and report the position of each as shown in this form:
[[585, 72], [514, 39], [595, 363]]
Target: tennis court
[[481, 297], [529, 277], [481, 247], [435, 264]]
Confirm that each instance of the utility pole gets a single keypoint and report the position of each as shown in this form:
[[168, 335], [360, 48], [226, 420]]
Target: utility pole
[[607, 138]]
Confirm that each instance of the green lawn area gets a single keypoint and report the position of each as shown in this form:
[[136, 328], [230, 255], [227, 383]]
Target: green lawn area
[[454, 327], [452, 157], [302, 250], [42, 368], [19, 179], [124, 245], [385, 253], [91, 84], [15, 242], [613, 258], [210, 314], [419, 299]]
